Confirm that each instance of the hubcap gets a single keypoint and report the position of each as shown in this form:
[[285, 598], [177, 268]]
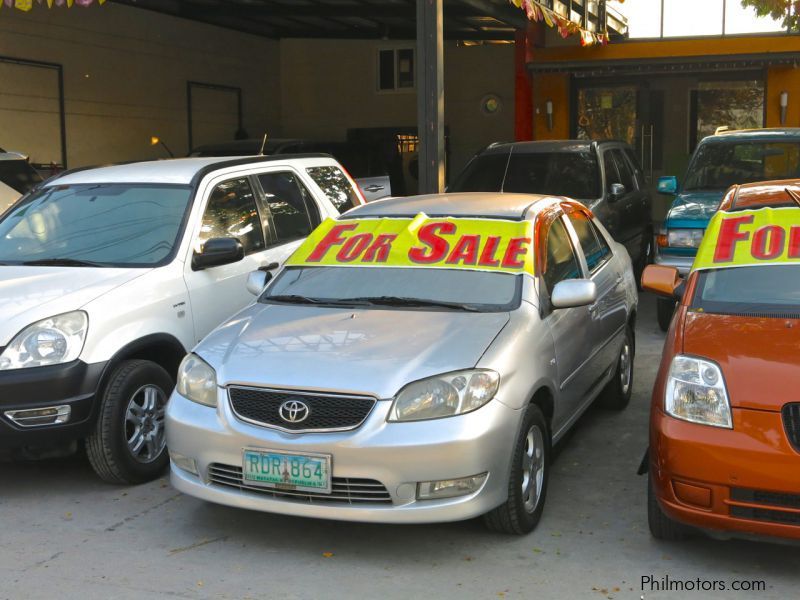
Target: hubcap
[[625, 367], [532, 468], [144, 423]]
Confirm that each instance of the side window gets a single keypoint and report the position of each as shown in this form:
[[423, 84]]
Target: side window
[[292, 212], [232, 212], [592, 243], [561, 260], [336, 187], [637, 168], [626, 175], [610, 167]]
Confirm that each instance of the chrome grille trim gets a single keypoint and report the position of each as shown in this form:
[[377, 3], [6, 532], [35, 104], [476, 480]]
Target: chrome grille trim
[[344, 490]]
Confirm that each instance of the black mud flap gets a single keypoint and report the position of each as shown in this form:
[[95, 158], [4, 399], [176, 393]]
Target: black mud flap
[[644, 466]]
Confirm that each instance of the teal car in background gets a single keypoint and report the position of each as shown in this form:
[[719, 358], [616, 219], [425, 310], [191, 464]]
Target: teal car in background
[[720, 161]]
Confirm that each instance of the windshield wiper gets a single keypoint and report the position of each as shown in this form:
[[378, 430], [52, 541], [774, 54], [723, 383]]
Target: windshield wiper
[[62, 262], [298, 299], [402, 301]]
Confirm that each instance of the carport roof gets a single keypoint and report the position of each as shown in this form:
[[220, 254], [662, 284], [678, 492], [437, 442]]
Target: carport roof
[[350, 19]]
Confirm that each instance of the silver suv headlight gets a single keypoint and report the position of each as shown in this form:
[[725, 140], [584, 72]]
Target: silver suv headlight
[[696, 392], [197, 381], [444, 395], [47, 342]]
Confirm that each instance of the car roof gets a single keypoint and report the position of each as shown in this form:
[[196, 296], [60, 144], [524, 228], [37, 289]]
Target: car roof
[[493, 205], [540, 146], [12, 156], [770, 133], [763, 194], [171, 171]]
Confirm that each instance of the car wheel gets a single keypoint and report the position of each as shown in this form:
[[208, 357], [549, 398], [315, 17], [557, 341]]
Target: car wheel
[[128, 444], [664, 309], [645, 258], [661, 526], [617, 393], [527, 483]]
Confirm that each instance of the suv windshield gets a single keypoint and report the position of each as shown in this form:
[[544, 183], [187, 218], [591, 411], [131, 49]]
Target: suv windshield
[[572, 174], [111, 224], [719, 165], [18, 175], [397, 286], [762, 289]]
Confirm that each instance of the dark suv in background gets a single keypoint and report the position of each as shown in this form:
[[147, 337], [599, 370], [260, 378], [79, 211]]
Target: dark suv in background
[[603, 175]]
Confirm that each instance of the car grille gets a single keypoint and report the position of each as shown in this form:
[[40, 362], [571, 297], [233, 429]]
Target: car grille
[[325, 412], [791, 421], [344, 490], [772, 503]]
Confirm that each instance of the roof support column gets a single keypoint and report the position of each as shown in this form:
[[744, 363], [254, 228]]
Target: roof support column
[[430, 96]]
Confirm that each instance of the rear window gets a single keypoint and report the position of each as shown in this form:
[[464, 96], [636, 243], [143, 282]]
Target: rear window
[[483, 174], [335, 186], [719, 165], [18, 175]]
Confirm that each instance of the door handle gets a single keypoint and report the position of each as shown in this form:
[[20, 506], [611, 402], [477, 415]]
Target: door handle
[[374, 188]]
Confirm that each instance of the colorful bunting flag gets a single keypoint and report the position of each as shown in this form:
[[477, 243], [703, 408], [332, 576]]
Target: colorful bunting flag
[[539, 12], [26, 5]]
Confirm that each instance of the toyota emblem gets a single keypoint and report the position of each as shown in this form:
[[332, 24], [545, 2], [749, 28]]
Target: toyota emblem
[[294, 411]]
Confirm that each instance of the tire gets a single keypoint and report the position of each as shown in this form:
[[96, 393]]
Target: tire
[[132, 407], [521, 512], [645, 258], [617, 393], [661, 526], [664, 309]]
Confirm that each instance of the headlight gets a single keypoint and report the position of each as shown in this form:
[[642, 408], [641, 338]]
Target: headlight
[[50, 341], [197, 381], [696, 392], [685, 238], [444, 396]]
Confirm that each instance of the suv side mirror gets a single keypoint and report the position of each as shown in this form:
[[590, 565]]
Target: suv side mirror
[[616, 192], [573, 292], [668, 185], [662, 280], [258, 280], [216, 252]]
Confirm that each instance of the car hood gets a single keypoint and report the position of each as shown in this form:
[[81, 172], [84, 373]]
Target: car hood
[[759, 357], [693, 209], [29, 294], [364, 351]]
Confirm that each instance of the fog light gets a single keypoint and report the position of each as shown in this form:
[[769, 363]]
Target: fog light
[[184, 462], [450, 488]]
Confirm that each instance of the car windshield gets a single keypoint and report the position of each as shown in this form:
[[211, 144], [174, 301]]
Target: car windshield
[[572, 174], [99, 224], [18, 175], [762, 289], [719, 165], [446, 289]]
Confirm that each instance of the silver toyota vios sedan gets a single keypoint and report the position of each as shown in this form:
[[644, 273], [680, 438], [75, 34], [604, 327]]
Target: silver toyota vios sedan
[[412, 362]]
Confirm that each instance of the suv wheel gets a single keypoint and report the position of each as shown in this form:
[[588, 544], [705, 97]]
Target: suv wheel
[[617, 393], [664, 309], [527, 483], [128, 443]]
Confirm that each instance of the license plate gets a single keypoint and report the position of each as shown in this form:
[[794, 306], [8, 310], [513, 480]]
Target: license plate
[[281, 470]]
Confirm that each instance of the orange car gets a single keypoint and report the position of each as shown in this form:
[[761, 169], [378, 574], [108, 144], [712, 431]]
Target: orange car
[[724, 449]]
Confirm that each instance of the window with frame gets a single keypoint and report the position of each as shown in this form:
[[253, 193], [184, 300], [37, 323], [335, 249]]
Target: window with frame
[[292, 212], [610, 167], [562, 264], [625, 171], [232, 212], [396, 69], [594, 246], [336, 187]]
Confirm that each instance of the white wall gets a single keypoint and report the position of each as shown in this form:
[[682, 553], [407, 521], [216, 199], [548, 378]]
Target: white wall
[[125, 74]]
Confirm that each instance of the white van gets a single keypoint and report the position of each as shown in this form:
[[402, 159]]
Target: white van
[[109, 275]]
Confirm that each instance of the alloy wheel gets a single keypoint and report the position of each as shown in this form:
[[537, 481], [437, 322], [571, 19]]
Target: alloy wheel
[[144, 423], [533, 465], [625, 367]]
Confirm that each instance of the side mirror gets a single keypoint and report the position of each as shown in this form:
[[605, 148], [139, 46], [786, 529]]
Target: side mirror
[[258, 280], [616, 192], [573, 292], [216, 252], [662, 280], [668, 185]]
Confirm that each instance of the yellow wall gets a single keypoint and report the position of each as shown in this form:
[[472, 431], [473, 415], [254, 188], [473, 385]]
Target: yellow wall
[[783, 79], [555, 87]]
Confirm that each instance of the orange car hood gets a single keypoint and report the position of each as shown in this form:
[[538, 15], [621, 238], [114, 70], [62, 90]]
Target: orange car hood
[[759, 357]]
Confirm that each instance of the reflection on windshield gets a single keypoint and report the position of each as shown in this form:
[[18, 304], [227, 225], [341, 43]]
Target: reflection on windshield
[[763, 289], [110, 224], [397, 286], [719, 165]]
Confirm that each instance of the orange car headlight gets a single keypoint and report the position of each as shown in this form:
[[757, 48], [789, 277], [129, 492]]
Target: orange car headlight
[[696, 392]]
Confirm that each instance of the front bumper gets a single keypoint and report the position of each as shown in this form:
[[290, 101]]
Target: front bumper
[[397, 455], [740, 481], [681, 262], [72, 384]]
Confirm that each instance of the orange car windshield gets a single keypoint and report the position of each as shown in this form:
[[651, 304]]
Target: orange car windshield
[[772, 290]]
